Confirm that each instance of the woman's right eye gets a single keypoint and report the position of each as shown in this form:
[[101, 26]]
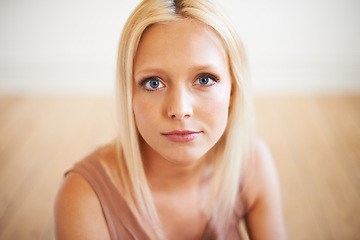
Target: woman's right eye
[[152, 84]]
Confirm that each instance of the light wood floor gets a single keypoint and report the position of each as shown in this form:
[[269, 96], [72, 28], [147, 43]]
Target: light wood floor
[[315, 142]]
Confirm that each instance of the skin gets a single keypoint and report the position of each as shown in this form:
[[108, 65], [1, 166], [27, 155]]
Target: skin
[[169, 68], [177, 63]]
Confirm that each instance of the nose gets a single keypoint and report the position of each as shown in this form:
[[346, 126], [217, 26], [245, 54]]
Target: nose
[[179, 104]]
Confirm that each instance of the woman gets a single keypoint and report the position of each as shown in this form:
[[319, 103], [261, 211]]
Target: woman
[[185, 164]]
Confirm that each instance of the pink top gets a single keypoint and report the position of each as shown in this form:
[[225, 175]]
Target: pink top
[[121, 222]]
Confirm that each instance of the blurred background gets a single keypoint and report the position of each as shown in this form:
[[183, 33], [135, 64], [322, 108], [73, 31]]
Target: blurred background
[[57, 68], [53, 47]]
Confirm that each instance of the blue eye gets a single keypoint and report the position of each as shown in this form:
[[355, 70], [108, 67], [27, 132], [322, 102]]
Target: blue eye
[[206, 80], [152, 84]]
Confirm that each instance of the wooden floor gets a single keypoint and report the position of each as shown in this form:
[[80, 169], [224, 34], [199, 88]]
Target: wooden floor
[[315, 142]]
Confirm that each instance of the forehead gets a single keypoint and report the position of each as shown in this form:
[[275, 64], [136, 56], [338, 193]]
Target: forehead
[[188, 41]]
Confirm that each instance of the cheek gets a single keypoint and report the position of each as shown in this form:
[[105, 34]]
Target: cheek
[[220, 112], [144, 113], [215, 110]]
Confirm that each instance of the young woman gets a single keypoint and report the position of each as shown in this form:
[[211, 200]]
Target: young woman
[[185, 164]]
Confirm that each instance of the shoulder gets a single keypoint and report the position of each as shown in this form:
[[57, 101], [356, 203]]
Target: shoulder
[[258, 170], [77, 211], [264, 216], [263, 168]]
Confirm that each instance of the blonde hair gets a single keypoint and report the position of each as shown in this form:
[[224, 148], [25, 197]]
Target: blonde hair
[[233, 148]]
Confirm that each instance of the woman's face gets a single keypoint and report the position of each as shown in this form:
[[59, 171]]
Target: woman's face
[[182, 89]]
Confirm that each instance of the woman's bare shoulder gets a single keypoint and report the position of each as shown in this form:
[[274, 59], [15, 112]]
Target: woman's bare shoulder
[[260, 166], [77, 211], [264, 217]]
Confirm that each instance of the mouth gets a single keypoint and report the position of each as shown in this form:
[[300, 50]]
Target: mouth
[[182, 136]]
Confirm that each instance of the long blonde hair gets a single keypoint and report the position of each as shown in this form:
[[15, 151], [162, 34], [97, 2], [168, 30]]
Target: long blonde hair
[[234, 147]]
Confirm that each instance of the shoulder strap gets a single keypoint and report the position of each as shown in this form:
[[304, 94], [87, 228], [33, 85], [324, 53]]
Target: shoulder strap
[[121, 222]]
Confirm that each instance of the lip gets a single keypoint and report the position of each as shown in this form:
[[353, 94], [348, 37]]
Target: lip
[[182, 135]]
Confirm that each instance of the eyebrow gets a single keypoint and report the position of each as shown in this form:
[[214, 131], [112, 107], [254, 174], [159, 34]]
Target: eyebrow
[[195, 68], [204, 67]]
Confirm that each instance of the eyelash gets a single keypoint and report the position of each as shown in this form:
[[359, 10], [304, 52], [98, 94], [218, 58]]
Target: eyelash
[[146, 80], [209, 75]]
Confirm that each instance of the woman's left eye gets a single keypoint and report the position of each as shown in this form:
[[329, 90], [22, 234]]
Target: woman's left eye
[[206, 80]]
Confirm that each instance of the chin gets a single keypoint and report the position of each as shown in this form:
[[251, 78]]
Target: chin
[[175, 153], [183, 157]]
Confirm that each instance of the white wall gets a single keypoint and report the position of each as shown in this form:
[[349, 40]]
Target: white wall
[[69, 46], [301, 46]]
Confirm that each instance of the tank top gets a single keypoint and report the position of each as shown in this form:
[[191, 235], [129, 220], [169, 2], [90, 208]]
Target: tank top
[[121, 222]]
